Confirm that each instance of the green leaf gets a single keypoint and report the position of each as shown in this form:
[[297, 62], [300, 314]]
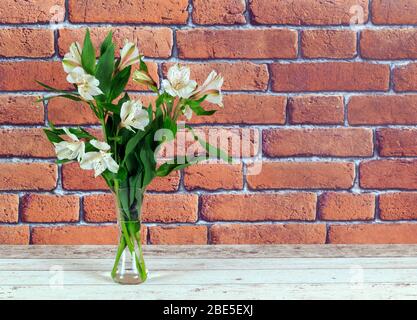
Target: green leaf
[[220, 154], [107, 43], [166, 168], [170, 125], [199, 110], [63, 161], [119, 83], [105, 68], [143, 66], [110, 107], [88, 56], [123, 100], [81, 133], [67, 96], [133, 142], [52, 136], [150, 112], [121, 174], [56, 90], [147, 157]]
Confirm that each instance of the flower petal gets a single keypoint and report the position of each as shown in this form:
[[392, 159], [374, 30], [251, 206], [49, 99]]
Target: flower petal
[[101, 145]]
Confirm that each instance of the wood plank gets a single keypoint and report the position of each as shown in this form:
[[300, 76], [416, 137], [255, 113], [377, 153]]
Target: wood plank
[[220, 277], [215, 292], [185, 264], [218, 251]]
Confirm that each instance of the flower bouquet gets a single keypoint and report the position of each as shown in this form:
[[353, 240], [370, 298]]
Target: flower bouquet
[[126, 158]]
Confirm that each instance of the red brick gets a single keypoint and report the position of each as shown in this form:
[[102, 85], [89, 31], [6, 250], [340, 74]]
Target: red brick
[[394, 12], [14, 235], [246, 109], [219, 12], [63, 111], [28, 176], [166, 184], [377, 110], [373, 234], [251, 44], [74, 178], [268, 234], [170, 208], [346, 206], [50, 208], [388, 174], [75, 235], [237, 76], [237, 142], [214, 177], [25, 42], [25, 143], [19, 109], [178, 235], [398, 206], [115, 11], [405, 77], [316, 110], [35, 11], [333, 142], [307, 12], [152, 42], [259, 207], [303, 175], [21, 75], [156, 208], [340, 44], [389, 44], [397, 142], [330, 76], [9, 208]]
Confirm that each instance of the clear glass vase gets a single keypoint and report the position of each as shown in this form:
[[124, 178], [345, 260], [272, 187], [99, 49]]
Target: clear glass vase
[[129, 266]]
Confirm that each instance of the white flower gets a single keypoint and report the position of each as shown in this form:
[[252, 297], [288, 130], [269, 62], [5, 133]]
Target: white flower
[[129, 55], [211, 88], [86, 83], [70, 150], [132, 115], [188, 113], [100, 160], [72, 59], [178, 82]]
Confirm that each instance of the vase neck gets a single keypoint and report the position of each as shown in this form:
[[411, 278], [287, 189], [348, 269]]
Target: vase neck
[[128, 204]]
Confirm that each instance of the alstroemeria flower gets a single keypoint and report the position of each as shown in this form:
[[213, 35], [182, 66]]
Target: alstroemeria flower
[[133, 115], [99, 161], [129, 55], [211, 88], [178, 82], [188, 112], [70, 150], [72, 59], [87, 84], [143, 77]]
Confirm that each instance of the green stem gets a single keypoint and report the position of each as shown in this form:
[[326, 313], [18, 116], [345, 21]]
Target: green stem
[[120, 249], [103, 125], [130, 233]]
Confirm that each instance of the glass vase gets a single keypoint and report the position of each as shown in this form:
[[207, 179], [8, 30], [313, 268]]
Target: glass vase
[[129, 266]]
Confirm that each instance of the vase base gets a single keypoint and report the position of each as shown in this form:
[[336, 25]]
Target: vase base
[[129, 279]]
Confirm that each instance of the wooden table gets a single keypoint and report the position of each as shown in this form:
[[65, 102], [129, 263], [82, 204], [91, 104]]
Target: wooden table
[[213, 272]]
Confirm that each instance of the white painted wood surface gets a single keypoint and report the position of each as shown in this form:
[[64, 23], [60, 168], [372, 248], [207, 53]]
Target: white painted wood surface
[[213, 272]]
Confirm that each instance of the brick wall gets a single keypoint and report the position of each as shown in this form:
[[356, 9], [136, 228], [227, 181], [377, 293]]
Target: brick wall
[[335, 103]]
